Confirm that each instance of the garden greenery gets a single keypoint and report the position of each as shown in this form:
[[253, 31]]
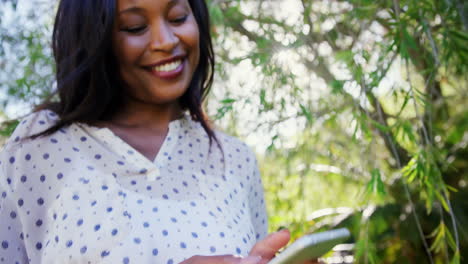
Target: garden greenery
[[357, 107]]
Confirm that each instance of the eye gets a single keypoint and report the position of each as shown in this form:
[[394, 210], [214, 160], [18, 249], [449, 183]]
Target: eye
[[134, 30], [179, 20]]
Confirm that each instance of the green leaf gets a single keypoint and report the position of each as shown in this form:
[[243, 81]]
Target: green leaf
[[451, 241], [456, 258], [439, 238], [443, 201], [459, 34], [452, 189], [306, 112], [345, 56], [216, 14], [405, 102], [271, 147], [337, 86], [379, 126], [407, 129], [378, 183], [228, 101], [375, 186], [8, 127]]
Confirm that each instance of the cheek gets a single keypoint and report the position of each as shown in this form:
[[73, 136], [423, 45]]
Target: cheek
[[191, 39], [189, 34], [193, 36], [128, 50]]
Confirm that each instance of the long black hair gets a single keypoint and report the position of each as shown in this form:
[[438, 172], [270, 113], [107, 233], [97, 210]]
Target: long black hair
[[88, 83]]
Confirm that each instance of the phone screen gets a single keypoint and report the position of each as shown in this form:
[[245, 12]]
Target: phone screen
[[311, 246]]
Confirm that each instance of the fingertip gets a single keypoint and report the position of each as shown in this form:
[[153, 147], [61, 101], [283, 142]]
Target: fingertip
[[242, 260], [271, 244], [251, 260], [285, 232], [232, 259]]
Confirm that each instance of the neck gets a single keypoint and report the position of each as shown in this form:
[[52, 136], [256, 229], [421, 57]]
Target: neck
[[145, 115]]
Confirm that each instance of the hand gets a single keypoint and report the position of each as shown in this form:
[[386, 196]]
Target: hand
[[222, 259], [261, 253], [268, 247]]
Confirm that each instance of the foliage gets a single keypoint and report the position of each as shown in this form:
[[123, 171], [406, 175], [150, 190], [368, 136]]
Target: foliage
[[375, 94], [26, 70], [358, 108]]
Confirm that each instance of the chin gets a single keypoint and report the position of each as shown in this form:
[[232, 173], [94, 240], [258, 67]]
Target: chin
[[166, 97]]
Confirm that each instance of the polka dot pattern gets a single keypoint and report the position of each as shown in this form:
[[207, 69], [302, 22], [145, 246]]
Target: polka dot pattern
[[82, 195]]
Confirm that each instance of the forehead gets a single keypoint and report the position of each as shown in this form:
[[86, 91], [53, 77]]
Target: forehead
[[125, 4]]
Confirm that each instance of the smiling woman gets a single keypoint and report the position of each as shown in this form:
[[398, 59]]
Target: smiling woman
[[106, 62], [156, 45], [121, 168]]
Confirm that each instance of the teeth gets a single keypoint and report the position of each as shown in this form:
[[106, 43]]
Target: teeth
[[168, 66]]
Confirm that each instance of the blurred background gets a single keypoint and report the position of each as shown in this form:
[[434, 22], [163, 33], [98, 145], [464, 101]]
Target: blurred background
[[357, 111]]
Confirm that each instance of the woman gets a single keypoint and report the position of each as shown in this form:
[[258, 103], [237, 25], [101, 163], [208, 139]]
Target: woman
[[124, 168]]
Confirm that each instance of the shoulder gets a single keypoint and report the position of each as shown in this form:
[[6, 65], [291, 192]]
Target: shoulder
[[233, 149], [18, 155], [228, 143], [232, 142], [30, 125], [236, 150]]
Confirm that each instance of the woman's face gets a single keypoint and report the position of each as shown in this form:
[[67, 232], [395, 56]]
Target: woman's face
[[156, 44]]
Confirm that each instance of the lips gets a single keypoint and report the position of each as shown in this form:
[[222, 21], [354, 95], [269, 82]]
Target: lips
[[168, 69], [166, 61]]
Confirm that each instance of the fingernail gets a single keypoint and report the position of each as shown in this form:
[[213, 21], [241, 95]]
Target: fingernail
[[251, 260], [284, 230], [281, 228]]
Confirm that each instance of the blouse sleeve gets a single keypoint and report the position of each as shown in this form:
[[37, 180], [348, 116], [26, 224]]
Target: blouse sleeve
[[258, 212], [12, 248]]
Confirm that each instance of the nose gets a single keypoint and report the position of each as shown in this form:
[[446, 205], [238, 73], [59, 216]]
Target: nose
[[163, 38]]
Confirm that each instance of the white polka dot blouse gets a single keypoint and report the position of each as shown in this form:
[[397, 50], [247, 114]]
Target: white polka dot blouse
[[83, 195]]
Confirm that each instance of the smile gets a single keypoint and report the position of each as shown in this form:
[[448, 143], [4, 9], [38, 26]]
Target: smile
[[169, 70], [168, 67]]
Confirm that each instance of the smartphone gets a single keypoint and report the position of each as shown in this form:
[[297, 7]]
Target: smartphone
[[311, 246]]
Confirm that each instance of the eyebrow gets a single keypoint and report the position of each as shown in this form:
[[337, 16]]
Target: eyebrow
[[139, 9]]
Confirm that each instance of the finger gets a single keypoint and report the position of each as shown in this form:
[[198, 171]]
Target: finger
[[311, 262], [268, 247], [221, 259], [251, 260]]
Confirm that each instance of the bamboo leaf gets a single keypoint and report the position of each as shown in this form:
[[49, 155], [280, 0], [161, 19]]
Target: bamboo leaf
[[380, 126], [456, 258], [442, 201]]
